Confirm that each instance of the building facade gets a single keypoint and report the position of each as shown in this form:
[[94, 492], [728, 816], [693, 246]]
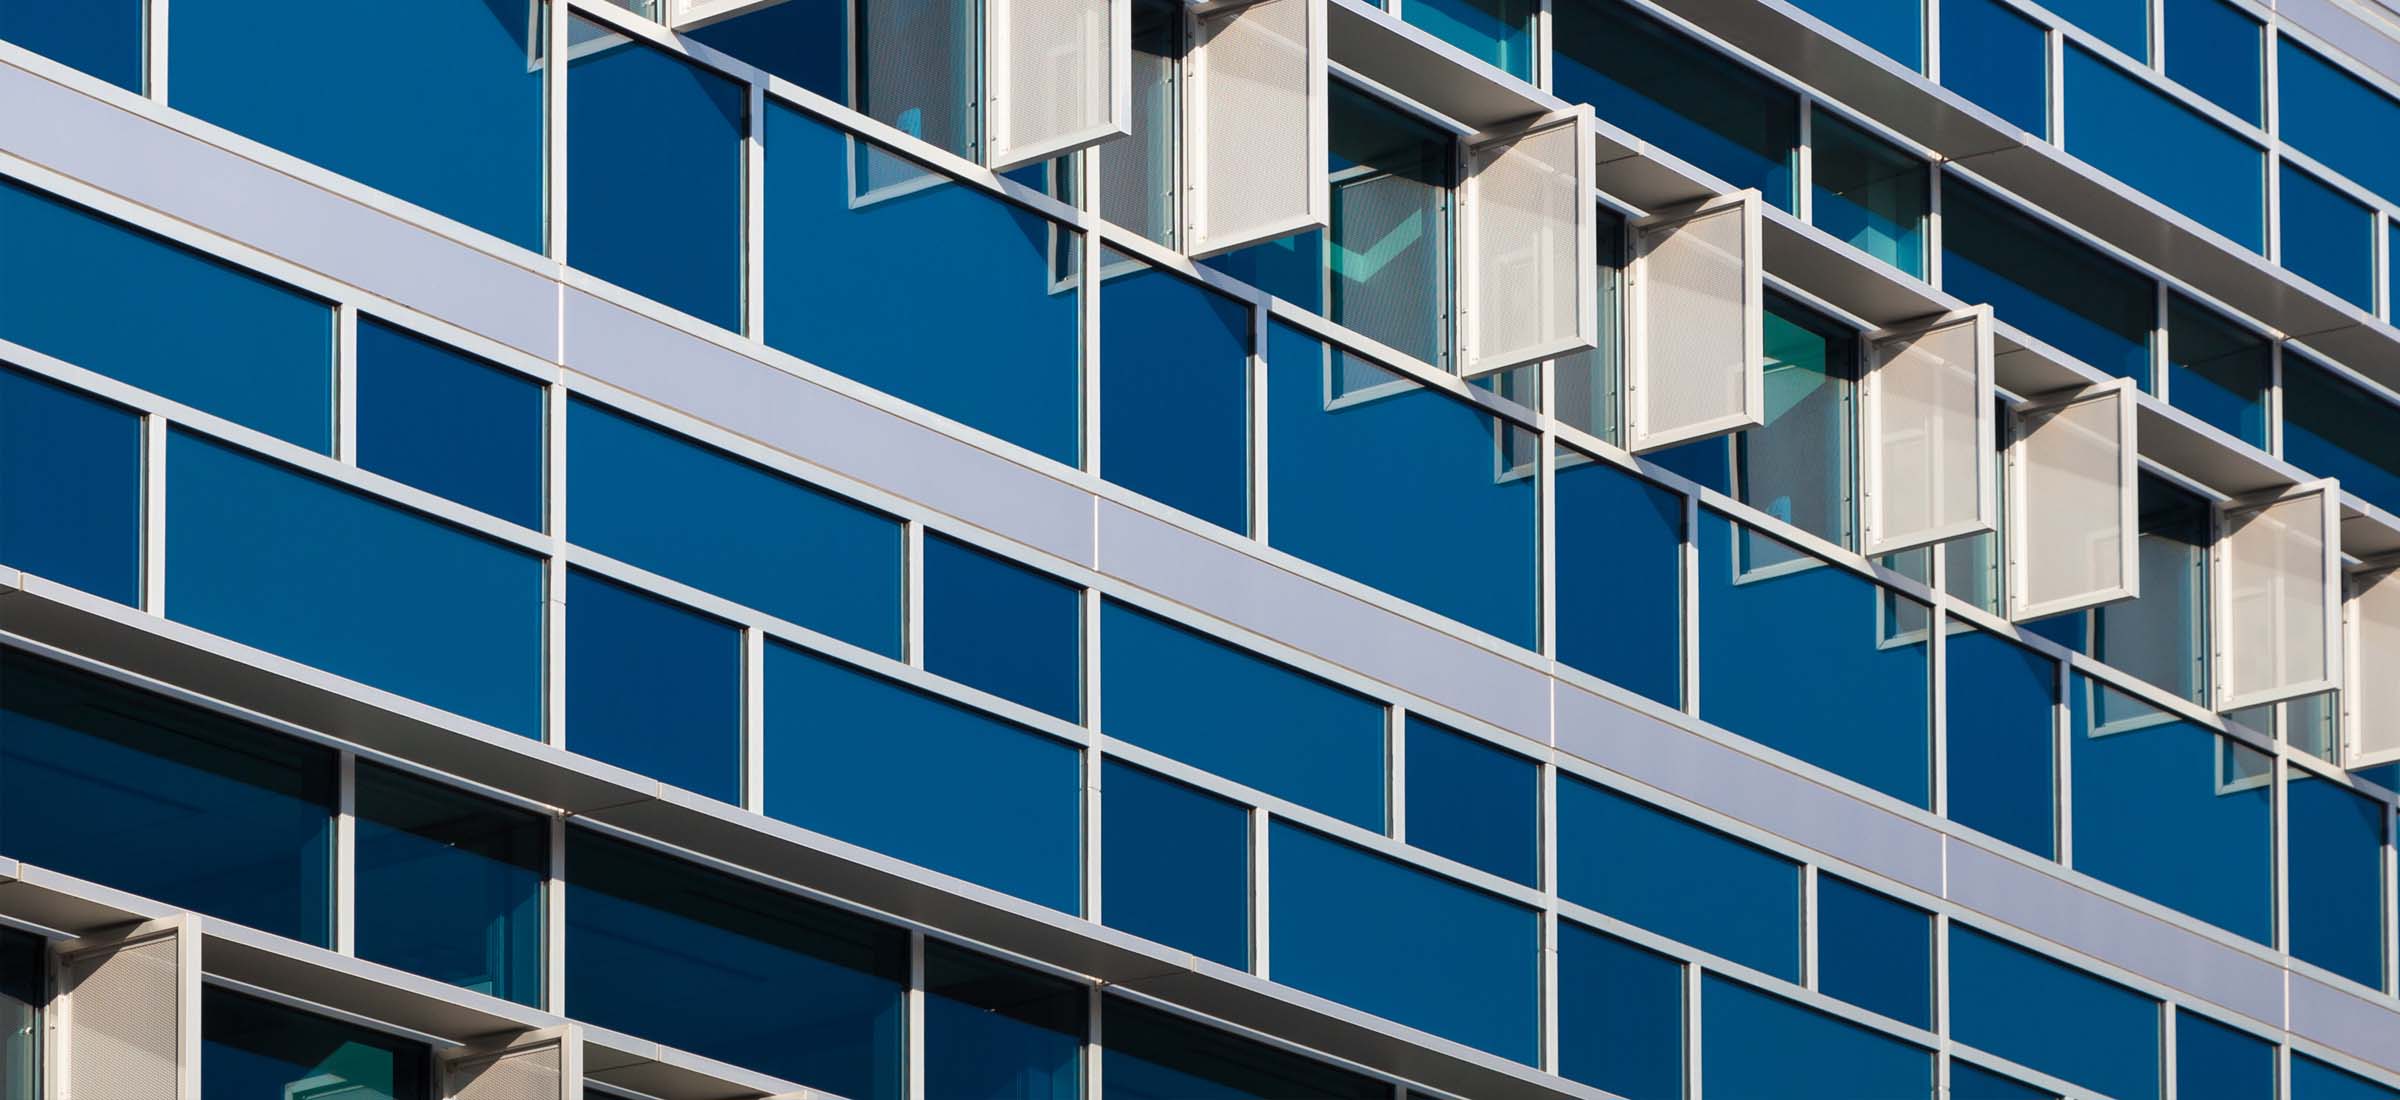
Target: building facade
[[953, 550]]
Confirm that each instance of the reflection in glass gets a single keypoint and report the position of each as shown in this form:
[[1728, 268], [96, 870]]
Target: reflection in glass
[[1869, 192], [450, 886], [1150, 1054], [2334, 427], [1387, 254], [1875, 952], [100, 37], [432, 417], [2218, 370], [1003, 628], [252, 1049], [2216, 1062], [1498, 32], [1666, 88], [2058, 290], [1000, 1032]]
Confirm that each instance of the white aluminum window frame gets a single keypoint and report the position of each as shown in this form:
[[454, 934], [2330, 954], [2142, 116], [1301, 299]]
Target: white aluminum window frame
[[2224, 638], [1873, 463], [1638, 435], [2017, 526], [1192, 130], [1467, 255]]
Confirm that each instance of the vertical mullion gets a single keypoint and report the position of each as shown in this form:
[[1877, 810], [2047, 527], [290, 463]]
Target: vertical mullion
[[2063, 765], [1803, 201], [1930, 40], [1938, 660], [754, 210], [1259, 943], [345, 383], [2055, 80], [1395, 739], [1094, 764], [1258, 424], [555, 572], [2166, 1049], [345, 857], [1693, 1086], [2279, 771], [1691, 606], [754, 719], [913, 644], [2275, 398], [554, 921], [1933, 221], [2161, 347], [154, 514], [1088, 310], [154, 54], [554, 83], [915, 1027], [1809, 888]]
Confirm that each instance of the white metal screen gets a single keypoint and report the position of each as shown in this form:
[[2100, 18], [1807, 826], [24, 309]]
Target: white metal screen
[[2072, 521], [1528, 262], [2277, 621], [2371, 693], [1254, 125], [1926, 406], [128, 1014], [538, 1065], [1060, 76], [1695, 297]]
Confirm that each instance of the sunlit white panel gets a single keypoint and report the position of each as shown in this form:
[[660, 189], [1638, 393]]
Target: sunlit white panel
[[1695, 365], [537, 1065], [1060, 74], [128, 1014], [1925, 407], [2071, 507], [1527, 255], [2371, 693], [2277, 620], [1254, 123]]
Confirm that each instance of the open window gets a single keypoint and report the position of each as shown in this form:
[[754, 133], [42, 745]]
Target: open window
[[1254, 123], [1927, 422], [1058, 76], [533, 1065], [2371, 703], [2072, 527], [127, 1013], [1528, 259], [1695, 311], [2277, 622]]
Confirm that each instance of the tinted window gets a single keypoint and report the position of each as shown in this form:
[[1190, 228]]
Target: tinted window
[[100, 37], [1474, 803], [1870, 193], [654, 687], [1619, 577], [1894, 28], [450, 886], [2315, 1080], [1688, 98], [2002, 738], [1678, 878], [1999, 59], [2328, 237], [2336, 428], [1620, 1015], [1499, 32], [999, 626], [1174, 410], [70, 487], [1388, 245], [2217, 370], [1875, 952], [448, 424], [999, 1032], [1972, 1082], [799, 40], [2124, 24], [2138, 134], [2039, 280], [24, 978], [2322, 110], [2216, 1062], [2214, 49], [1175, 865], [2090, 1032], [251, 1048], [2336, 877], [1795, 1053], [1152, 1055]]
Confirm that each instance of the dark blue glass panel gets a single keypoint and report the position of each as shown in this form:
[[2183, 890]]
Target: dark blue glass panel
[[858, 757], [2216, 1062], [2334, 428], [654, 687], [1795, 1053], [1999, 59], [1893, 28], [1448, 521], [2052, 1017], [70, 487], [2328, 237], [1972, 1082], [2214, 49], [1693, 101], [24, 984], [450, 886], [654, 177], [1175, 691], [1175, 865], [1497, 32], [273, 558], [1620, 577], [938, 293], [1870, 193], [2138, 134], [999, 1032], [251, 1049], [100, 37], [1150, 1055], [1002, 627], [2124, 24], [344, 85], [677, 508], [449, 424], [1342, 916], [2001, 738], [2322, 111], [1291, 268], [128, 790], [1474, 803], [1875, 952], [2057, 290], [1174, 409], [732, 970], [114, 300], [799, 40], [2336, 877], [1620, 1016], [2315, 1080], [2217, 370], [1678, 878]]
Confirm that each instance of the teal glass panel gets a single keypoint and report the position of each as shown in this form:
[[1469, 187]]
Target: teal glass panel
[[1175, 410], [436, 419], [1387, 252], [1000, 1032], [1496, 32], [1874, 952], [2132, 131], [2216, 1062], [1148, 1054], [1003, 628], [2334, 427], [1667, 88], [2322, 109], [100, 37], [1620, 1015], [1893, 28], [251, 1049], [2218, 370], [2002, 738], [1680, 879], [2052, 1017], [449, 885], [1474, 802], [2315, 1080], [2036, 278], [2328, 237], [2217, 50], [1999, 59], [1619, 584], [1870, 193], [653, 687], [1175, 864], [70, 487], [2336, 877], [1796, 1053]]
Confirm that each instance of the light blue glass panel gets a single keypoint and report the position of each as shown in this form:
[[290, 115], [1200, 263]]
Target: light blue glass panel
[[1002, 627], [1998, 58], [1793, 1053], [672, 506], [2124, 24], [450, 886], [2052, 1017], [1973, 1082], [1678, 878], [24, 989], [731, 970], [2002, 738], [1151, 1055], [100, 37], [654, 173], [1619, 585], [1342, 916], [1669, 89], [2218, 370], [2336, 877], [1620, 1015], [436, 419], [344, 86], [2216, 1062], [114, 300], [2315, 1080], [2215, 49], [861, 758], [2057, 290], [1498, 32], [2328, 237], [1175, 864], [2132, 131], [654, 687], [270, 557], [2322, 110], [2335, 428], [1874, 952], [1893, 28], [252, 1049], [70, 487], [1447, 521], [1473, 802], [1870, 193], [166, 801], [999, 1032], [941, 294], [1174, 409]]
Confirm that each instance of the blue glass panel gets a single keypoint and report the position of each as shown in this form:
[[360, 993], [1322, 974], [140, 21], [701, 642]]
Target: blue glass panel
[[1998, 58], [2216, 50], [941, 294], [24, 985], [2057, 290], [674, 507], [2001, 738], [1177, 692], [799, 40], [1677, 878], [117, 301], [1002, 627], [450, 886], [2171, 811], [2093, 1033], [273, 558], [1875, 952], [2216, 1062], [1870, 193], [999, 1032], [2132, 131], [1174, 411], [731, 970], [2315, 1080], [449, 424], [2124, 24], [100, 37], [1620, 1016], [1150, 1055], [1972, 1082], [654, 687], [125, 789], [861, 758], [2217, 370], [344, 85], [1291, 268], [1175, 863], [1893, 28], [1858, 705], [1688, 98], [251, 1048], [70, 487], [1499, 32], [1341, 916], [654, 178], [1447, 521], [1620, 577], [2328, 237], [2336, 877], [2334, 428], [1474, 803], [1795, 1053], [2322, 111]]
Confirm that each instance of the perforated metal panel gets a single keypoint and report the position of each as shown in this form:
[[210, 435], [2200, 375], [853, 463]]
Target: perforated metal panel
[[128, 1015], [1254, 123], [1137, 175], [2277, 561], [1059, 76], [1694, 301], [917, 69], [1926, 409], [1528, 261], [2071, 509], [539, 1065], [2371, 693]]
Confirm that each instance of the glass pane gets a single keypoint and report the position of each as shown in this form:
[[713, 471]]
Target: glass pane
[[100, 37], [1875, 952], [1971, 1082], [2315, 1080], [1138, 171], [1175, 391], [2322, 110], [1153, 1055], [2216, 1062], [2124, 24], [2336, 428], [653, 687], [1620, 1015], [2218, 370], [344, 86], [2093, 1033], [24, 960], [1587, 388], [999, 1032], [1002, 627], [1498, 32], [1678, 878], [1175, 865], [436, 419], [801, 41], [1795, 1053], [731, 970], [2001, 738], [1620, 577], [251, 1048], [1388, 251], [450, 886], [2054, 288], [2138, 134], [2328, 237], [1473, 802], [1870, 193], [2337, 886], [1998, 58], [1666, 88], [2214, 49], [70, 487], [1894, 28]]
